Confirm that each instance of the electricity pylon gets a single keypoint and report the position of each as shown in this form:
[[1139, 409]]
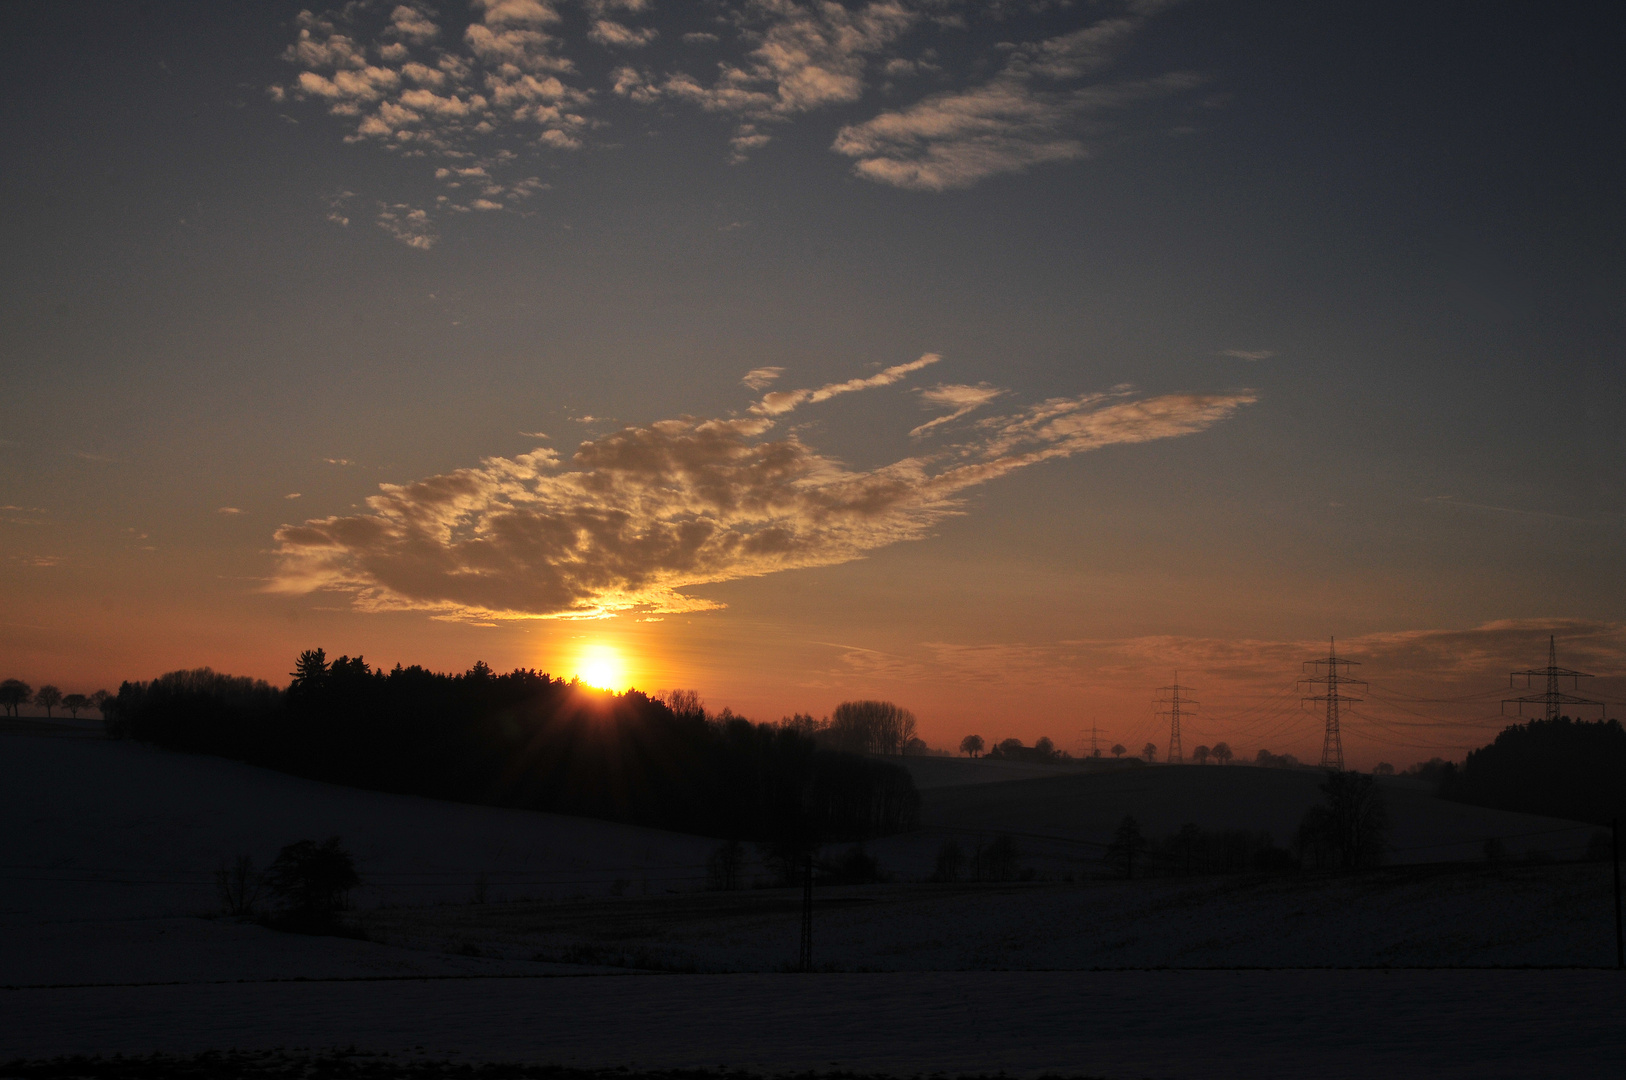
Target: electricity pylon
[[1174, 702], [1553, 697], [1332, 744]]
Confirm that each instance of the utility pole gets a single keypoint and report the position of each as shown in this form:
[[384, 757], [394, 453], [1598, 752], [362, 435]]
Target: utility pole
[[1552, 700], [1620, 939], [1173, 699], [805, 962], [1332, 744]]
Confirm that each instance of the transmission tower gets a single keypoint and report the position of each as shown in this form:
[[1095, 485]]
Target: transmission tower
[[1332, 745], [1175, 701], [1554, 697]]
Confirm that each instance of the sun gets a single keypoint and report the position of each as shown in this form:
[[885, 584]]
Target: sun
[[603, 667]]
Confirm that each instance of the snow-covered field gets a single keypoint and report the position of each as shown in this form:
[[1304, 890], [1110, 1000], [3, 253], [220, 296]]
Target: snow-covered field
[[106, 881]]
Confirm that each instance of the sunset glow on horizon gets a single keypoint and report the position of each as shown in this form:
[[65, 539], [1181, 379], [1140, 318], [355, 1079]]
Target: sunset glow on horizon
[[994, 360]]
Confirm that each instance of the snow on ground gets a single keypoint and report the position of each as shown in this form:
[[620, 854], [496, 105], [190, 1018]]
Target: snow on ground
[[1441, 1025], [110, 848], [1540, 915], [1088, 805], [106, 874]]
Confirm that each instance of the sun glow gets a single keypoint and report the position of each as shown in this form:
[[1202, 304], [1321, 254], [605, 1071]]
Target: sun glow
[[603, 667]]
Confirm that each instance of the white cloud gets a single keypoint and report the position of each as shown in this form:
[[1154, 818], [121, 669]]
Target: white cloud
[[959, 398], [291, 495], [229, 510], [757, 378], [636, 517]]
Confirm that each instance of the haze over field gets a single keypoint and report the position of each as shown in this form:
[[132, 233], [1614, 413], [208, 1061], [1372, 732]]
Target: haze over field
[[1001, 360]]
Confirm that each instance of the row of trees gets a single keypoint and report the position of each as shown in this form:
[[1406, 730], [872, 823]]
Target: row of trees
[[14, 694], [1347, 830], [861, 727], [527, 740]]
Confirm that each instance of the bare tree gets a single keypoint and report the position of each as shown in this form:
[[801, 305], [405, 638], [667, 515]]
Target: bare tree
[[1222, 753], [47, 697], [971, 745], [1200, 755], [1149, 751], [74, 703], [1127, 842], [15, 693], [1118, 750], [871, 727]]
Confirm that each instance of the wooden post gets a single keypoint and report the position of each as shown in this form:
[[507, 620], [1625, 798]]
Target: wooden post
[[1620, 939], [805, 962]]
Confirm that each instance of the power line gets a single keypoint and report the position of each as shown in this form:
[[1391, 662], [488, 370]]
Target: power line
[[1553, 698], [1174, 701], [1332, 744]]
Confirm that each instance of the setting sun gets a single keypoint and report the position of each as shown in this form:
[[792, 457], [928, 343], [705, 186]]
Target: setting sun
[[603, 667]]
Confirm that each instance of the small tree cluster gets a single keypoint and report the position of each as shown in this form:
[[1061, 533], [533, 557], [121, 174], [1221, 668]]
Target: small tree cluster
[[1349, 829]]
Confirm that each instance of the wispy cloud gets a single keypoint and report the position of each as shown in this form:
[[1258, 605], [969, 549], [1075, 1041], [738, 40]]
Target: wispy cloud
[[757, 378], [960, 398], [635, 517], [1031, 112], [783, 401], [230, 510], [1248, 354]]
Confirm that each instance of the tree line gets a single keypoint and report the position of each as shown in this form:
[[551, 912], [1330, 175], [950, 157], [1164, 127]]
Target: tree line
[[14, 694], [530, 741]]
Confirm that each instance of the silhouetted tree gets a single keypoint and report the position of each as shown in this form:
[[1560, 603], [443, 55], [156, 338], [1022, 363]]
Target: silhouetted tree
[[1200, 755], [1149, 752], [971, 745], [1560, 768], [1383, 768], [75, 703], [1045, 748], [1349, 829], [1127, 843], [997, 861], [47, 697], [724, 867], [310, 672], [950, 858], [1118, 750], [528, 740], [686, 704], [15, 693], [870, 727], [1222, 753], [313, 881], [238, 886]]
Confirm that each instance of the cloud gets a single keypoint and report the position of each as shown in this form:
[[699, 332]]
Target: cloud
[[536, 435], [635, 517], [1023, 116], [407, 224], [292, 495], [757, 378], [804, 57], [961, 399], [230, 510], [783, 401], [1248, 354]]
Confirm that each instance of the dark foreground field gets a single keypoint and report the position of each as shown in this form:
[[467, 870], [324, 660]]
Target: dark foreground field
[[597, 947]]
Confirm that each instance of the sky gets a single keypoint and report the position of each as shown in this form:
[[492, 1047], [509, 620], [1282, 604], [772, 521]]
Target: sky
[[1008, 360]]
